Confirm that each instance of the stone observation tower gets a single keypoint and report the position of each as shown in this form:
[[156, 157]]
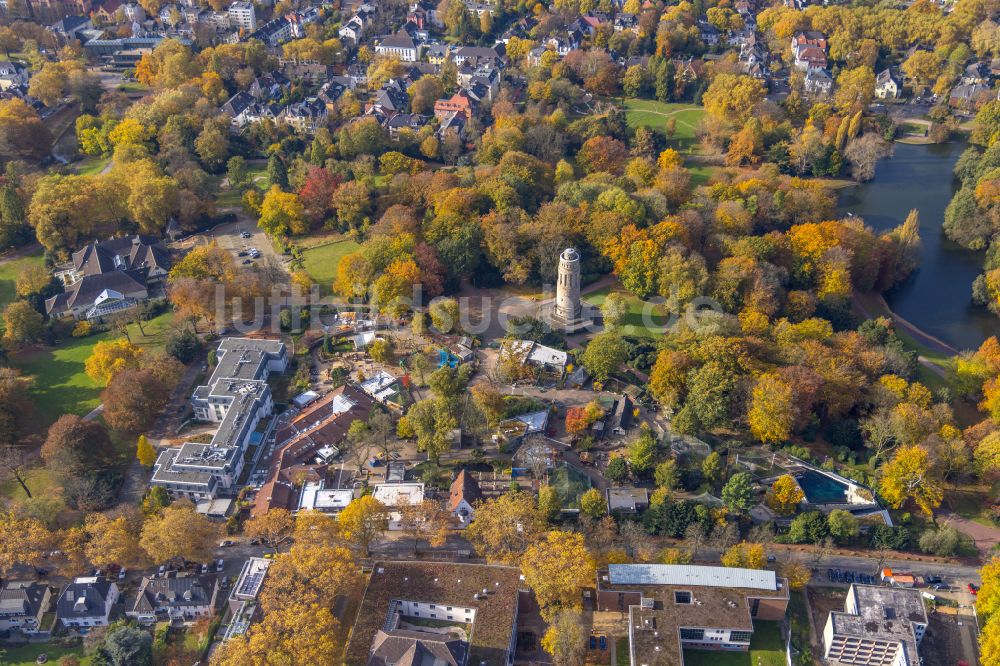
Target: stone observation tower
[[568, 286], [567, 312]]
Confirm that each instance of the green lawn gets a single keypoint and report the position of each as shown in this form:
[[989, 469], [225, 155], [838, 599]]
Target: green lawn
[[634, 323], [25, 656], [9, 270], [766, 649], [62, 386], [321, 262], [701, 173], [653, 114], [91, 166]]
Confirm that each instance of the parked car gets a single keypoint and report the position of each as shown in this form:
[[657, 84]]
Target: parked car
[[973, 588], [245, 234], [226, 544], [121, 574], [204, 568], [220, 565]]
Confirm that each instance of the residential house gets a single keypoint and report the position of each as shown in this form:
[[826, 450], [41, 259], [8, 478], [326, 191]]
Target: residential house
[[886, 85], [269, 87], [878, 626], [462, 497], [459, 103], [495, 54], [243, 607], [677, 607], [709, 33], [818, 82], [546, 359], [133, 12], [810, 57], [22, 605], [174, 598], [977, 72], [397, 496], [809, 38], [237, 396], [105, 13], [242, 15], [809, 50], [621, 416], [306, 116], [12, 75], [401, 597], [969, 96], [85, 603], [316, 496], [400, 45], [353, 30], [109, 276], [404, 121], [311, 72], [626, 22]]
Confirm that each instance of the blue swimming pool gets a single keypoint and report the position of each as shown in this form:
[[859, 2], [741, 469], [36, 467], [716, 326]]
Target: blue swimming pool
[[821, 489]]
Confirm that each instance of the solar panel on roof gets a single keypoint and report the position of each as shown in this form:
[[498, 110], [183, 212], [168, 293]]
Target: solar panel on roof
[[686, 574]]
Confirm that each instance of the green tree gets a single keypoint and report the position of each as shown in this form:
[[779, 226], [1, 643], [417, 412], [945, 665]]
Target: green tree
[[843, 525], [642, 452], [810, 527], [604, 355], [666, 474], [711, 468], [277, 173], [738, 492]]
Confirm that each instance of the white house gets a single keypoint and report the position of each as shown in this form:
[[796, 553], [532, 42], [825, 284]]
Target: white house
[[462, 498], [886, 85], [400, 45], [176, 598], [243, 16], [22, 605]]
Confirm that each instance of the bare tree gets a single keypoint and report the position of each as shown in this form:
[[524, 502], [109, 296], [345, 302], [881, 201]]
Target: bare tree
[[864, 153], [14, 459]]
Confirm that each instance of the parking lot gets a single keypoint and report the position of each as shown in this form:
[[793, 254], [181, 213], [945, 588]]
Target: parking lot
[[238, 237], [848, 577]]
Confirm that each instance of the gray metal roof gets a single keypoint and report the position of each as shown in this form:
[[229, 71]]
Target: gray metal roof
[[687, 574]]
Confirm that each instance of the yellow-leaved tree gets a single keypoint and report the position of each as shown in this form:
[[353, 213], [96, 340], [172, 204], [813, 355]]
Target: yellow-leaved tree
[[745, 556], [784, 495], [362, 521], [296, 634], [557, 569], [772, 409], [111, 357], [505, 526], [908, 476], [145, 452]]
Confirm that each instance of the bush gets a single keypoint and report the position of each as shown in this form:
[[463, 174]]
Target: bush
[[893, 538], [809, 528], [943, 541], [82, 329], [183, 346]]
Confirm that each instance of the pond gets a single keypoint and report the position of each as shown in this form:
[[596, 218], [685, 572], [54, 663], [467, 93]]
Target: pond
[[938, 297]]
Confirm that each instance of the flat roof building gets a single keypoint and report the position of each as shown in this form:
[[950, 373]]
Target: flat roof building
[[236, 397], [673, 607], [243, 606], [880, 626]]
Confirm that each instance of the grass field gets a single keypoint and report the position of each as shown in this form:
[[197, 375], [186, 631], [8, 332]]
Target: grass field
[[91, 166], [766, 649], [653, 114], [62, 386], [633, 323], [26, 655], [321, 262], [9, 270]]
